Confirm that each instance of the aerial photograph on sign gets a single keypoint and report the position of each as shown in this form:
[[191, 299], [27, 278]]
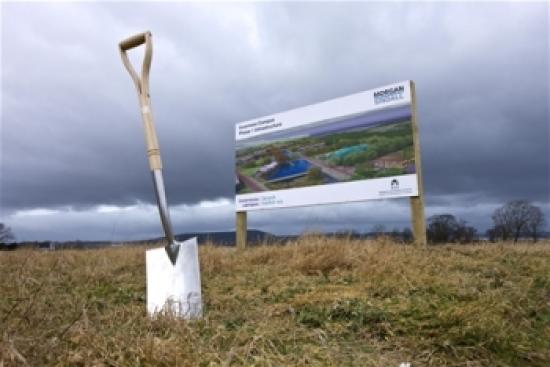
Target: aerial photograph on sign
[[371, 144]]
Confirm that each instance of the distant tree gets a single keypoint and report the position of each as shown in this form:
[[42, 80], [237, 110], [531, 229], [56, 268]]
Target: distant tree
[[5, 233], [378, 230], [395, 234], [498, 232], [491, 234], [465, 233], [536, 223], [347, 233], [517, 218], [407, 235], [441, 228], [445, 228]]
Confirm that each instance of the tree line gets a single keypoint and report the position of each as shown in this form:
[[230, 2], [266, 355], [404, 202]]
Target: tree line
[[512, 221]]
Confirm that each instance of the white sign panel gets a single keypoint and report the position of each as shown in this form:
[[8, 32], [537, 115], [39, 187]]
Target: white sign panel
[[352, 148]]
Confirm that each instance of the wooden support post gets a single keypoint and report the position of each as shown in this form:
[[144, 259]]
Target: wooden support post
[[241, 230], [417, 202]]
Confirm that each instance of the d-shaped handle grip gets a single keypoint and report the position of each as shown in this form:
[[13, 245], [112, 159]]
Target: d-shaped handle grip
[[134, 41], [142, 86], [142, 83]]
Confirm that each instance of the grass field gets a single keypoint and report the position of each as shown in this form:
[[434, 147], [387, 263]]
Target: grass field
[[316, 301]]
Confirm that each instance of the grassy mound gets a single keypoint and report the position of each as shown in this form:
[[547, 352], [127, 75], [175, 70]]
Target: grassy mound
[[317, 301]]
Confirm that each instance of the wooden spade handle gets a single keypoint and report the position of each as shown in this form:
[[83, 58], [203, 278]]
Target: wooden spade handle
[[142, 86]]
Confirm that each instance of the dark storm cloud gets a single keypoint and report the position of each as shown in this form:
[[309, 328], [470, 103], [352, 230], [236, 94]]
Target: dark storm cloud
[[71, 129]]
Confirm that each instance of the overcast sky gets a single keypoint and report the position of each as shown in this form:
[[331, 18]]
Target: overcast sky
[[72, 159]]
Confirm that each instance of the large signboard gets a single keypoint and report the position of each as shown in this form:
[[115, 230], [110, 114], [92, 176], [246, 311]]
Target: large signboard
[[352, 148]]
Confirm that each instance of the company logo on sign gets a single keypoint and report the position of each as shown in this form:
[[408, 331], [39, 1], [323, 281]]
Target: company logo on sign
[[395, 184], [389, 94], [395, 188]]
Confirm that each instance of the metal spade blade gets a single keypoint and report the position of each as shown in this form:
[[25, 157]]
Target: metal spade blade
[[174, 289], [172, 248]]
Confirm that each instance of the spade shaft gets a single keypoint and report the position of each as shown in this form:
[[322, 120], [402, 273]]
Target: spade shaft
[[151, 141]]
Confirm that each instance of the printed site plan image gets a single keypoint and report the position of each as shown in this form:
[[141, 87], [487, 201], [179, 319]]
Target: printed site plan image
[[364, 137], [377, 144]]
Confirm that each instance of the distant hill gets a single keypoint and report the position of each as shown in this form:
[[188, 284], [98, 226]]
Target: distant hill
[[227, 238], [223, 238]]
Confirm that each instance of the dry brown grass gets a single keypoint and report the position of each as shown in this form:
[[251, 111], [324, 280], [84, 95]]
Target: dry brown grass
[[316, 301]]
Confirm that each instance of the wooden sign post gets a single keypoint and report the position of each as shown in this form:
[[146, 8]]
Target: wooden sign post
[[241, 230], [417, 202]]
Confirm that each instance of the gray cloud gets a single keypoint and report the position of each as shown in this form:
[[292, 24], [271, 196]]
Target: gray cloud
[[71, 133]]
